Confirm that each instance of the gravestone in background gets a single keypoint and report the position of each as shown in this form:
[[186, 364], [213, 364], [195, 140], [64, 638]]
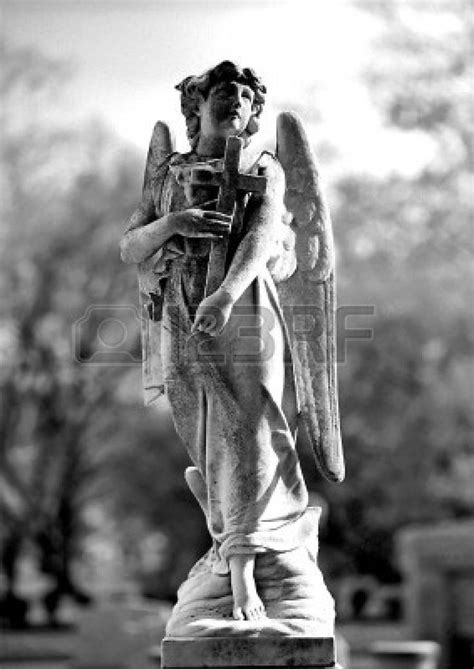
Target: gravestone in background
[[438, 563], [118, 634]]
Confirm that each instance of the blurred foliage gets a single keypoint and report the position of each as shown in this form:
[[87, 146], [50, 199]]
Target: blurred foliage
[[72, 431], [405, 247]]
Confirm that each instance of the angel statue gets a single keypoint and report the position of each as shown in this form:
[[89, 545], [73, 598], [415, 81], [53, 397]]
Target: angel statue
[[235, 259]]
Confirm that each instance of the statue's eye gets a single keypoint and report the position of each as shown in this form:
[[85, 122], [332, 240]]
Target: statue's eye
[[221, 91]]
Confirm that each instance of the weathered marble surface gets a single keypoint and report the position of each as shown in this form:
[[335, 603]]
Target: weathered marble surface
[[237, 404], [290, 585], [248, 651]]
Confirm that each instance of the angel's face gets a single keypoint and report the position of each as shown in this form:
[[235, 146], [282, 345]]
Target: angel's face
[[227, 109]]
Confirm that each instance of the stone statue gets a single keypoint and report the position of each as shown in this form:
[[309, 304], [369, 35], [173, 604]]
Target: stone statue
[[236, 271]]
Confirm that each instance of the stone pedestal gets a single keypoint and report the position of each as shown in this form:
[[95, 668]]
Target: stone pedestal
[[220, 652], [297, 630]]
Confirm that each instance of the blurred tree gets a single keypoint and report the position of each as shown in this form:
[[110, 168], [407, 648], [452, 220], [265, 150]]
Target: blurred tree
[[405, 246], [154, 500], [66, 192], [71, 431]]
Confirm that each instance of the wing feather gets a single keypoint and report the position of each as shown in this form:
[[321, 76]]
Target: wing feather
[[309, 292]]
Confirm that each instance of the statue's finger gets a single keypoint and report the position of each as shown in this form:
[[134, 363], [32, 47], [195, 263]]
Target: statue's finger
[[196, 326], [209, 235], [216, 223], [218, 215]]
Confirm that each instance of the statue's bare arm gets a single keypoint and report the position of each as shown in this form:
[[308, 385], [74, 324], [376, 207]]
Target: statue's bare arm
[[257, 245], [251, 256], [146, 234]]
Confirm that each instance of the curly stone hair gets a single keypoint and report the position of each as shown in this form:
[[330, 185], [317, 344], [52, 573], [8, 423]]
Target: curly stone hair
[[194, 87]]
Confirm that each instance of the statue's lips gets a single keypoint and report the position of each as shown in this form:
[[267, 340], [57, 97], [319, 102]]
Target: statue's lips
[[231, 115]]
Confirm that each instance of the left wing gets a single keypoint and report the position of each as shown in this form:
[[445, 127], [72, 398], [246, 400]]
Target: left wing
[[307, 294]]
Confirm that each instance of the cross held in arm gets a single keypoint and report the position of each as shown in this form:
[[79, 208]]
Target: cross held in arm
[[230, 182]]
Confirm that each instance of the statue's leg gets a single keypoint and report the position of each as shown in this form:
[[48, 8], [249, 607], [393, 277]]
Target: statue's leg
[[228, 396], [254, 481], [247, 603]]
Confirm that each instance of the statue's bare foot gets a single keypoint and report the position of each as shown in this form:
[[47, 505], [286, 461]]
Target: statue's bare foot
[[247, 603]]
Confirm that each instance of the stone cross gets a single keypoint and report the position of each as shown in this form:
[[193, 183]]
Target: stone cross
[[230, 182]]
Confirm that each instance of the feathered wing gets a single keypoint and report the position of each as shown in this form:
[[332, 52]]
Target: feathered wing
[[150, 291], [306, 286], [161, 146]]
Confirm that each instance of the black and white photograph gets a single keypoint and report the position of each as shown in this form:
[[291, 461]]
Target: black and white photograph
[[237, 334]]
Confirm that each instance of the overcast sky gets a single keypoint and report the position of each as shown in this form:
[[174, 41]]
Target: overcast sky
[[129, 56]]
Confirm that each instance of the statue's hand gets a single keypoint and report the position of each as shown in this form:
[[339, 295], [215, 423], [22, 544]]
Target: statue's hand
[[213, 313], [201, 223]]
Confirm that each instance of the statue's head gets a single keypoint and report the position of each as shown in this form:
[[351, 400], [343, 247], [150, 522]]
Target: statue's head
[[196, 89]]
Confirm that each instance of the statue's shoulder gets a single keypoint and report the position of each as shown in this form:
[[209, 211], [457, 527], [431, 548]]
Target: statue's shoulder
[[173, 158], [177, 158], [163, 171], [269, 161], [171, 162], [267, 156], [268, 165]]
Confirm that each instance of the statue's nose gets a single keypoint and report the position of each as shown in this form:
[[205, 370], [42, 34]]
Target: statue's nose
[[236, 97]]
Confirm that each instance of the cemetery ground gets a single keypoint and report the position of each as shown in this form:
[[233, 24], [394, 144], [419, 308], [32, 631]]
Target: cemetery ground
[[435, 603], [109, 636]]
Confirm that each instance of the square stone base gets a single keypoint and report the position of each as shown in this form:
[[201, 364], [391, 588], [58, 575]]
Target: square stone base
[[220, 652]]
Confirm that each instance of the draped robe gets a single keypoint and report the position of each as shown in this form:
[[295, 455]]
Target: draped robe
[[233, 397]]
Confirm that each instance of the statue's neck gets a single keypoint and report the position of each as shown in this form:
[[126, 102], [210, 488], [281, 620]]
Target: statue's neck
[[211, 147]]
